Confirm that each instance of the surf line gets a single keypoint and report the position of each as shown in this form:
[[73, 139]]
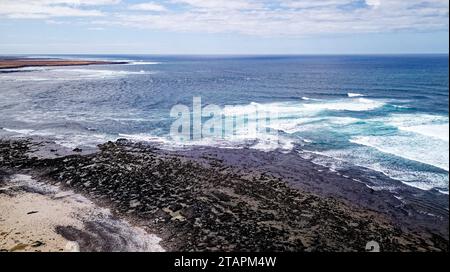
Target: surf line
[[228, 122]]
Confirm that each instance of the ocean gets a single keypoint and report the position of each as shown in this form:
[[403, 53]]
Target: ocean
[[386, 113]]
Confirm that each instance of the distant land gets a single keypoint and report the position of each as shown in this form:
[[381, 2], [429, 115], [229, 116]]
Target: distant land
[[8, 63]]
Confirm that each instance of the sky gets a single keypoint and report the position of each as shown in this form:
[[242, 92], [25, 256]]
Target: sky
[[224, 26]]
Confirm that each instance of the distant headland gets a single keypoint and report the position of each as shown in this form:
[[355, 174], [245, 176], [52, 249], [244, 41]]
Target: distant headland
[[12, 63]]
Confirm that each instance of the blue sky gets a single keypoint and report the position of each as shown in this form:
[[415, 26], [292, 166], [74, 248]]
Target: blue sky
[[223, 26]]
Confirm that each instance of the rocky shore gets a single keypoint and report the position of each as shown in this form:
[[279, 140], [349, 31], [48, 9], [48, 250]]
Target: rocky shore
[[196, 202]]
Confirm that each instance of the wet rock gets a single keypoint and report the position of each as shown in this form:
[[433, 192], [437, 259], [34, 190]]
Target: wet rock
[[134, 203], [204, 206], [221, 196]]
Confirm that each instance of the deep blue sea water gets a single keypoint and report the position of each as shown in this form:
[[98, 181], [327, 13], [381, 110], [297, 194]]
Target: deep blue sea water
[[385, 113]]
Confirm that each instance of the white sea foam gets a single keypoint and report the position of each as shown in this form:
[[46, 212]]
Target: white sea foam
[[31, 76], [420, 138], [19, 131], [93, 73], [292, 117], [168, 143], [298, 124], [281, 108], [357, 104], [28, 132], [66, 74], [409, 120], [263, 142], [82, 140], [339, 159], [434, 126], [271, 143], [289, 126], [25, 69], [435, 131], [69, 140], [286, 109], [144, 63], [354, 95], [420, 149], [142, 137]]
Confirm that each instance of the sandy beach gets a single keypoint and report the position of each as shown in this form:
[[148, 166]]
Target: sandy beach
[[192, 204], [37, 217]]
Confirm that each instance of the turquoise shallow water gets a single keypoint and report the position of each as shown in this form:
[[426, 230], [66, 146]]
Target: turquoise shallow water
[[385, 113]]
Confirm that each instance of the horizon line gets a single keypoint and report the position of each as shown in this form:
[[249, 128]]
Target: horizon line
[[225, 54]]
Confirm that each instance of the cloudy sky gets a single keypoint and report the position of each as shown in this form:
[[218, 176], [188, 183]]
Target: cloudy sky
[[224, 26]]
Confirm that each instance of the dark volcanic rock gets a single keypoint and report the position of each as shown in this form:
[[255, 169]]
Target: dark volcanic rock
[[197, 207]]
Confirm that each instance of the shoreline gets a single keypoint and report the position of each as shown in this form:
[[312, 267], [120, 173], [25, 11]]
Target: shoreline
[[408, 207], [23, 63], [213, 200], [37, 217]]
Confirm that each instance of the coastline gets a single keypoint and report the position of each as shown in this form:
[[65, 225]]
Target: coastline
[[37, 217], [409, 207], [203, 200], [23, 63]]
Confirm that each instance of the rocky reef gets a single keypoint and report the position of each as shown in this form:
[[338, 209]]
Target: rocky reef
[[207, 205]]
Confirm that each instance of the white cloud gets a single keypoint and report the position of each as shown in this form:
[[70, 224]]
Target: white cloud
[[150, 6], [296, 18], [33, 9], [314, 4], [219, 4], [77, 2], [256, 17], [373, 3]]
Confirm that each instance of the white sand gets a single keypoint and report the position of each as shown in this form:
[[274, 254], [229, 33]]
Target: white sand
[[30, 211]]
